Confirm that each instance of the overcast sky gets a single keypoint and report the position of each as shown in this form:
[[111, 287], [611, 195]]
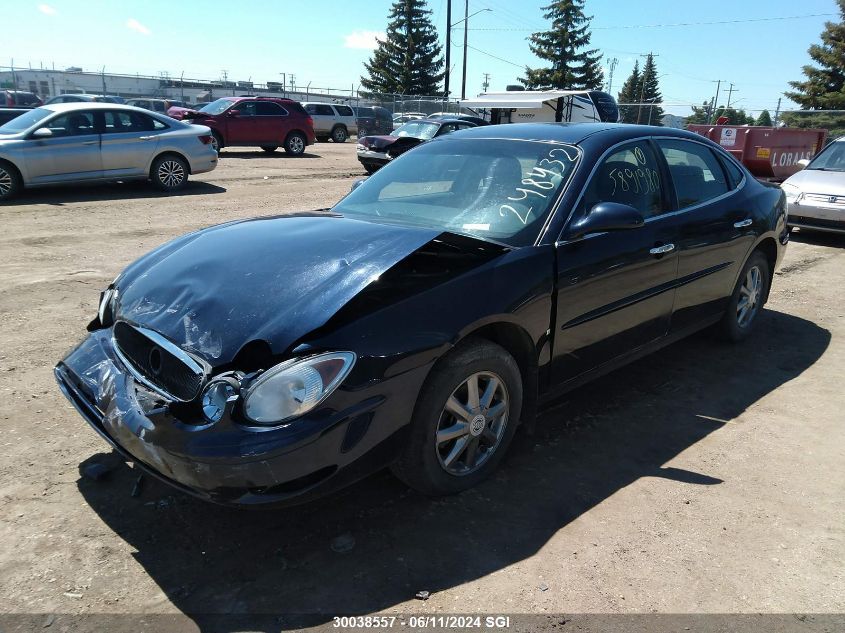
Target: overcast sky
[[758, 45]]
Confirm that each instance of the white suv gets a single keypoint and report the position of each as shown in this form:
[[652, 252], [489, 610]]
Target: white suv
[[332, 121]]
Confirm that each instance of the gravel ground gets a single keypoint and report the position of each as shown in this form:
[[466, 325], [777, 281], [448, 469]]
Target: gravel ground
[[704, 479]]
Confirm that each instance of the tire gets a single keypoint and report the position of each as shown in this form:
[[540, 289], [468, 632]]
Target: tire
[[269, 148], [10, 181], [295, 144], [472, 445], [362, 132], [339, 134], [753, 284], [216, 142], [169, 173]]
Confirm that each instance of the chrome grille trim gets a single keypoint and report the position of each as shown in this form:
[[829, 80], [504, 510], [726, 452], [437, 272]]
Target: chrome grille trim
[[193, 370]]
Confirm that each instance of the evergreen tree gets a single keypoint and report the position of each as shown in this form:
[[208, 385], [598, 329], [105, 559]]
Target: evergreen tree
[[650, 93], [765, 119], [630, 94], [573, 65], [700, 114], [824, 88], [408, 61], [733, 116]]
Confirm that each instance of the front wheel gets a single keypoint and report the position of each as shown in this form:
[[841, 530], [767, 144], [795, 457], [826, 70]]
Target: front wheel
[[465, 418], [747, 299], [295, 144], [362, 132], [169, 173]]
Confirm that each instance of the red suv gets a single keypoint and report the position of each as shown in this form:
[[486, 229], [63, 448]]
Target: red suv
[[249, 121]]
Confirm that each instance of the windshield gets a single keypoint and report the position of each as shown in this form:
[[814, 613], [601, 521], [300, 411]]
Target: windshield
[[216, 107], [417, 129], [25, 121], [495, 189], [831, 158]]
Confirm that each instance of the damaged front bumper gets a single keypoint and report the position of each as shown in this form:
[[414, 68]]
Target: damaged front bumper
[[227, 462]]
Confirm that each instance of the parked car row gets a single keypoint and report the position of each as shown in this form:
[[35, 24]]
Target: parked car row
[[816, 194]]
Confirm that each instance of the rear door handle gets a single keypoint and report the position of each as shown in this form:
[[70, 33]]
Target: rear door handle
[[742, 223], [662, 250], [90, 142]]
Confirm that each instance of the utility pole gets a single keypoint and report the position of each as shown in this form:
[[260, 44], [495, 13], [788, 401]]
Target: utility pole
[[292, 82], [611, 63], [486, 83], [448, 45], [464, 74], [730, 92], [103, 75], [716, 100], [777, 114]]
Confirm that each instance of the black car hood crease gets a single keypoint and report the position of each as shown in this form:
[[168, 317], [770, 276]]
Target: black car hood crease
[[272, 279]]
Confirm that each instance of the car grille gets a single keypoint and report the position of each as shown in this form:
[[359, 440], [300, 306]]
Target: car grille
[[159, 363], [825, 198]]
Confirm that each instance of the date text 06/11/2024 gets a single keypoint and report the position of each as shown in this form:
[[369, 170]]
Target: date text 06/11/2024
[[422, 622]]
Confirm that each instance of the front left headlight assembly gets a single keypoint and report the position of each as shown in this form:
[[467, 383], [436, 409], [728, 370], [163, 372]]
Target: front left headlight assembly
[[295, 387], [793, 193]]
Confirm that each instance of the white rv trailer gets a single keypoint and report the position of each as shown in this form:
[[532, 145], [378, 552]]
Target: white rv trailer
[[545, 106]]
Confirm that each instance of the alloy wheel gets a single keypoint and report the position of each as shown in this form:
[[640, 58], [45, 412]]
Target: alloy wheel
[[472, 423], [749, 297], [171, 173], [5, 182], [297, 145]]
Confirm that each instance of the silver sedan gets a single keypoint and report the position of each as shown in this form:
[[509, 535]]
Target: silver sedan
[[816, 194], [96, 142]]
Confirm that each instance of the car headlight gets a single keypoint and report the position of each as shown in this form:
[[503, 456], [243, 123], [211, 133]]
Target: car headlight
[[793, 193], [294, 387]]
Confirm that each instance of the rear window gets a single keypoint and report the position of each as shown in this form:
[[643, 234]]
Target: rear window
[[344, 110]]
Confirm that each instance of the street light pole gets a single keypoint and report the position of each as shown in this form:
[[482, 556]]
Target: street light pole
[[464, 74], [448, 45]]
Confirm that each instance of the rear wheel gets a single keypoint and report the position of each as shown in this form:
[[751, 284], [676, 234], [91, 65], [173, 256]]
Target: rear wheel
[[295, 144], [362, 132], [10, 181], [269, 148], [748, 297], [464, 420], [339, 134], [169, 173]]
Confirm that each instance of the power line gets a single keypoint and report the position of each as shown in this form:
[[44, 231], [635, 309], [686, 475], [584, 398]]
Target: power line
[[507, 61], [677, 24]]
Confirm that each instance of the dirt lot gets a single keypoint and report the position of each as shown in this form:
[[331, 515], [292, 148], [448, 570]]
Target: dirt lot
[[705, 479]]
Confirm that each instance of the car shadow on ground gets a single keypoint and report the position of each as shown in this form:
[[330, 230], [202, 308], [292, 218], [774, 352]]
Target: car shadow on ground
[[279, 153], [819, 238], [62, 195], [589, 445]]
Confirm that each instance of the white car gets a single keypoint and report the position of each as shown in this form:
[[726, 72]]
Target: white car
[[96, 142], [332, 121], [816, 194]]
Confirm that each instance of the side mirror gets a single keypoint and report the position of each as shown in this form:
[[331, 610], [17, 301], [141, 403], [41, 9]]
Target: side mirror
[[802, 164], [357, 184], [42, 132], [606, 216]]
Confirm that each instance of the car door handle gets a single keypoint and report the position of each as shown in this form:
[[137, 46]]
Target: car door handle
[[90, 142], [742, 223], [662, 250], [146, 138]]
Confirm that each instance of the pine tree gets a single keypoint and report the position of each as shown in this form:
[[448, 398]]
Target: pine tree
[[630, 94], [765, 119], [573, 65], [650, 93], [700, 114], [824, 88], [408, 61]]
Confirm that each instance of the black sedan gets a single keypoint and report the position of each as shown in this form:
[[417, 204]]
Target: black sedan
[[376, 151], [426, 316]]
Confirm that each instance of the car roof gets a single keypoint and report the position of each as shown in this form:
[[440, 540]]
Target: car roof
[[571, 133], [92, 105]]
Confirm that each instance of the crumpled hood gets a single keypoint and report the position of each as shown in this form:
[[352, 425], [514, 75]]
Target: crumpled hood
[[272, 279]]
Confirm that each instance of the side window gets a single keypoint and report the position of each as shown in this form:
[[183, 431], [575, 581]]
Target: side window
[[117, 122], [344, 110], [696, 173], [268, 108], [630, 175], [324, 109], [73, 124], [311, 108], [247, 108], [734, 172]]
